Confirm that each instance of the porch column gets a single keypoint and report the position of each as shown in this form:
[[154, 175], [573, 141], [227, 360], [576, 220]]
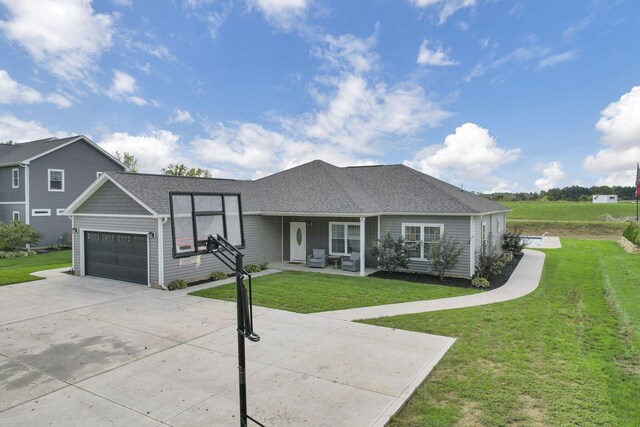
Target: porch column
[[363, 249]]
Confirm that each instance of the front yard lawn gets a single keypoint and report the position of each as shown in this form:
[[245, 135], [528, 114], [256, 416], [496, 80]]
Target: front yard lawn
[[18, 270], [313, 292], [567, 354]]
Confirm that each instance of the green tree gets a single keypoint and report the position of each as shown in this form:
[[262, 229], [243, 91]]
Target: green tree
[[443, 254], [392, 253], [17, 234], [129, 160], [180, 169]]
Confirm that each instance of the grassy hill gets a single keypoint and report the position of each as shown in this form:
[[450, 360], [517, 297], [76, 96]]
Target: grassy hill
[[570, 219]]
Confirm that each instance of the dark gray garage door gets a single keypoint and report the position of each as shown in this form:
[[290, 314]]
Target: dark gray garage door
[[116, 256]]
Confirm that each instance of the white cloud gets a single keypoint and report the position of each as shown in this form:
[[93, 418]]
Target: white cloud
[[283, 14], [14, 129], [66, 37], [12, 92], [154, 150], [124, 87], [476, 71], [157, 50], [437, 57], [620, 129], [181, 116], [123, 3], [470, 153], [558, 58], [212, 13], [552, 175], [445, 8]]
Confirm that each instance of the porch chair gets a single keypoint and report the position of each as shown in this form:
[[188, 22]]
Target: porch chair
[[318, 259], [351, 262]]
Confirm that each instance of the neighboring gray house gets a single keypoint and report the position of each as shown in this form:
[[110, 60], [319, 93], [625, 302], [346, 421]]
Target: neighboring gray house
[[122, 228], [39, 179]]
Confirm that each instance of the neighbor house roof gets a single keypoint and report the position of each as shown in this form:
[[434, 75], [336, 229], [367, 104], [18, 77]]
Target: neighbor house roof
[[13, 154], [316, 187]]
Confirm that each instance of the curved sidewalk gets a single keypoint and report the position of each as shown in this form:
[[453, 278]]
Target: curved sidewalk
[[524, 280]]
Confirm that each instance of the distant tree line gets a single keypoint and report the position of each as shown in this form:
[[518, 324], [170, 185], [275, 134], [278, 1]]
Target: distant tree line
[[574, 193]]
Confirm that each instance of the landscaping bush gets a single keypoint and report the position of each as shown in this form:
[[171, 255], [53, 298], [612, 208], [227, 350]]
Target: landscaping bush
[[480, 282], [513, 242], [489, 264], [632, 233], [392, 253], [16, 254], [264, 265], [252, 268], [443, 255], [218, 275], [17, 234], [177, 284]]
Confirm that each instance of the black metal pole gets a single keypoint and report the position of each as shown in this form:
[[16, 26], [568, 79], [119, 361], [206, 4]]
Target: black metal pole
[[241, 355]]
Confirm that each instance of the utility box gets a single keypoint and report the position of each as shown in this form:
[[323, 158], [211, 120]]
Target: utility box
[[605, 198]]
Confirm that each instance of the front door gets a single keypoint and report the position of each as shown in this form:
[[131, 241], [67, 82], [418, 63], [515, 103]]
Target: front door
[[298, 239]]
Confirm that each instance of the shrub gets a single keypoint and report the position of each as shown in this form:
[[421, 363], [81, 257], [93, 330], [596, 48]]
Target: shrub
[[392, 253], [17, 234], [512, 241], [16, 254], [252, 268], [177, 284], [443, 254], [490, 264], [264, 265], [218, 275], [632, 233], [480, 282]]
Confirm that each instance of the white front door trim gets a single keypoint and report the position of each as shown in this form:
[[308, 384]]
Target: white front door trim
[[298, 249]]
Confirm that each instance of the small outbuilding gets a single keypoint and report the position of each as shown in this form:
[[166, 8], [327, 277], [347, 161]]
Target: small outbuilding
[[605, 198]]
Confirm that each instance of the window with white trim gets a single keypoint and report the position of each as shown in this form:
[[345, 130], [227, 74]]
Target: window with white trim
[[40, 212], [499, 226], [421, 236], [15, 178], [15, 215], [60, 211], [56, 180], [344, 238]]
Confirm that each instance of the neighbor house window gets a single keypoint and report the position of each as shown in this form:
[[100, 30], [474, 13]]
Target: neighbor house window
[[344, 238], [16, 216], [420, 237], [15, 178], [56, 180], [40, 212]]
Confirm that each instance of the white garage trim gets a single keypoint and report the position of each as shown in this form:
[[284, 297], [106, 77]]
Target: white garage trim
[[82, 259]]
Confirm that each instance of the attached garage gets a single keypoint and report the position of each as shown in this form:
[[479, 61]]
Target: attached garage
[[117, 256]]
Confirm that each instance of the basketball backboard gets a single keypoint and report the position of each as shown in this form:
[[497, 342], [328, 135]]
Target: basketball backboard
[[196, 216]]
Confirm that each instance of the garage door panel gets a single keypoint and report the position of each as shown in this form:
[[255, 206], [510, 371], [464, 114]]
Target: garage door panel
[[116, 256]]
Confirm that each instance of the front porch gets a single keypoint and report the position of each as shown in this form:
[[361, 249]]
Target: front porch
[[296, 266]]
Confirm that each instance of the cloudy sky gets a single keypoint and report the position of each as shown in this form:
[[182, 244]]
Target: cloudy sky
[[496, 95]]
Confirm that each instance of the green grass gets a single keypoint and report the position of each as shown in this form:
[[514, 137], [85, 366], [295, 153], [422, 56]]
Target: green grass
[[568, 211], [567, 354], [313, 292], [573, 229], [18, 270]]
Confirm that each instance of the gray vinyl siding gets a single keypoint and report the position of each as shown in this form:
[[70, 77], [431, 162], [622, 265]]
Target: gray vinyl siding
[[263, 244], [455, 227], [118, 225], [493, 237], [6, 212], [80, 163], [109, 199], [7, 192], [370, 238]]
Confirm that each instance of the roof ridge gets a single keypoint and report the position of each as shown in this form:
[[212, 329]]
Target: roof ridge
[[161, 175], [422, 178], [339, 183]]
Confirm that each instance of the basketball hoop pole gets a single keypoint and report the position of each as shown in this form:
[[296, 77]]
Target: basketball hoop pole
[[242, 362]]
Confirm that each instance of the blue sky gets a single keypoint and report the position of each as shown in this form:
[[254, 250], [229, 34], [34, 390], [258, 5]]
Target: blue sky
[[496, 95]]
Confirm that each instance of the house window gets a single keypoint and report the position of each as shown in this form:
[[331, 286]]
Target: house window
[[60, 211], [499, 226], [15, 178], [344, 237], [421, 236], [56, 180], [16, 215], [40, 212]]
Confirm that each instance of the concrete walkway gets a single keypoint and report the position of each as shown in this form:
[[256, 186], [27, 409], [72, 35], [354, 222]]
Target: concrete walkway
[[524, 280]]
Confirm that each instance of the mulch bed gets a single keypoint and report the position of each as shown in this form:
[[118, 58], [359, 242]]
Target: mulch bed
[[457, 282]]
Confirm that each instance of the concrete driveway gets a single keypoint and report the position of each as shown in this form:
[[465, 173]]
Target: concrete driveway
[[88, 351]]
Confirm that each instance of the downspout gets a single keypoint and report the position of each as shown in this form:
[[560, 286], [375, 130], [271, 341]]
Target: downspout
[[161, 223], [363, 249]]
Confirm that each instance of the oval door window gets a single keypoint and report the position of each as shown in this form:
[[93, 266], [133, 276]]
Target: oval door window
[[299, 236]]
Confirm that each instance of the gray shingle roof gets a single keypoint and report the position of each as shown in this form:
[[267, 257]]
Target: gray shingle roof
[[17, 153], [319, 187]]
